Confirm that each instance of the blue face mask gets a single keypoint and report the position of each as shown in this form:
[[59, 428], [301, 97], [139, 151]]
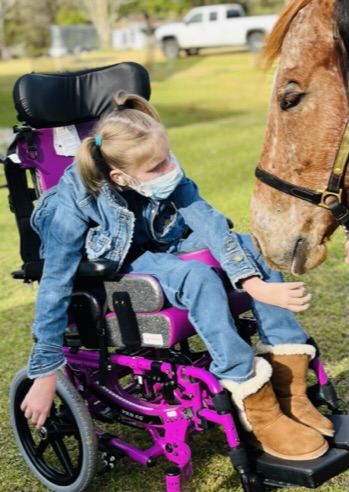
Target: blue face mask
[[158, 188]]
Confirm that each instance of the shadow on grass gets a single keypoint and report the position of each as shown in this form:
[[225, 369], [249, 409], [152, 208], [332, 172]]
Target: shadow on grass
[[160, 71], [341, 385], [190, 114]]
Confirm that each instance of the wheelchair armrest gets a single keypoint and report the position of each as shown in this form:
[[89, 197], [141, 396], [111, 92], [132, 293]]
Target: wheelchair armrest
[[98, 268], [32, 270]]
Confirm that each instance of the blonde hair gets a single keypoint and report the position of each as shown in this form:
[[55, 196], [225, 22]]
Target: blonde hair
[[127, 136]]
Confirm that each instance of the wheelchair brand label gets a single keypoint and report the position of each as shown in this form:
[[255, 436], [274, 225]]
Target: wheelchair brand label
[[147, 419], [66, 140], [153, 339]]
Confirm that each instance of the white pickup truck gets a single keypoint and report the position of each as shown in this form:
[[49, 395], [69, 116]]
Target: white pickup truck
[[214, 26]]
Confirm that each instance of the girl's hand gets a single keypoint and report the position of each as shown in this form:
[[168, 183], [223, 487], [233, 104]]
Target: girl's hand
[[347, 252], [38, 401], [288, 295]]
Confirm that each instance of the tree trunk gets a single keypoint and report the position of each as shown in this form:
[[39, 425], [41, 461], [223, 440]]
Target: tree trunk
[[150, 46]]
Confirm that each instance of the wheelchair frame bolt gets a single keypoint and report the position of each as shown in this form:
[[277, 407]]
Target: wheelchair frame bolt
[[43, 433]]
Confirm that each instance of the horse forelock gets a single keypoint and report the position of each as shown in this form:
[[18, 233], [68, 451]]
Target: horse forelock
[[275, 39], [272, 49]]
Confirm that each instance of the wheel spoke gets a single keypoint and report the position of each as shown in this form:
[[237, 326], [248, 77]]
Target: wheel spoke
[[63, 456], [41, 448]]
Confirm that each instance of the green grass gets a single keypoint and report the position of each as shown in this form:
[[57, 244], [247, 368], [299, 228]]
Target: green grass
[[215, 109]]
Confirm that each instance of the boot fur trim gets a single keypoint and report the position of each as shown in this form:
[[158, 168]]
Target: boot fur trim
[[240, 391], [286, 349]]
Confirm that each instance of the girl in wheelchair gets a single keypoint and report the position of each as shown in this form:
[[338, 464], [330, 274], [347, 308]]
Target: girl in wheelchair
[[126, 199]]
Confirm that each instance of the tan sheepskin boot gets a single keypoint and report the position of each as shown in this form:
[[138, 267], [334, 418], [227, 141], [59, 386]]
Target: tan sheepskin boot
[[290, 366], [267, 427]]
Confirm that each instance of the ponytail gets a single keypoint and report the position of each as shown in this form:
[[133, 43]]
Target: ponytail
[[123, 100], [87, 159]]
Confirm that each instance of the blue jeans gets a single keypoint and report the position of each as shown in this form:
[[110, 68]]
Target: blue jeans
[[196, 287]]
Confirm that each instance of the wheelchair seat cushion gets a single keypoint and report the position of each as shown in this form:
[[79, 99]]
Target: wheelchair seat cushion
[[161, 329], [145, 292]]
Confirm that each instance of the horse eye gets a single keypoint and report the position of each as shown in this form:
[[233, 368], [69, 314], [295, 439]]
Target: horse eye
[[291, 99]]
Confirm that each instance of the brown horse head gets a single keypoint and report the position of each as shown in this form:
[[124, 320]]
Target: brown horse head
[[307, 118]]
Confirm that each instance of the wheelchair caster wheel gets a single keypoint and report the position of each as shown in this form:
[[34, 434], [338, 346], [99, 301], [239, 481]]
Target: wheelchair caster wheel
[[63, 454]]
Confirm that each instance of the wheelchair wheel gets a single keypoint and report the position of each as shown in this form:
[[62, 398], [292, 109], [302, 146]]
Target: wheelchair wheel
[[63, 454]]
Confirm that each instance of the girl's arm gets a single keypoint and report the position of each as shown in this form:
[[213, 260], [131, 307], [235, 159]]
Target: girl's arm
[[347, 252], [288, 295], [241, 268]]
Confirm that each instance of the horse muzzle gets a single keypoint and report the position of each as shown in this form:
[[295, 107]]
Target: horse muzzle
[[286, 254]]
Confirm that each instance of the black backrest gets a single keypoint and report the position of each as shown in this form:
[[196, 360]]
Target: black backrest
[[45, 100]]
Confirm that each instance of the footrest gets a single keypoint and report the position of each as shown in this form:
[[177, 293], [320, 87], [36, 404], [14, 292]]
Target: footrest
[[341, 437], [311, 474]]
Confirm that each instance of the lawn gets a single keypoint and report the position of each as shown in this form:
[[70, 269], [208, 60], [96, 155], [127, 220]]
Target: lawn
[[215, 108]]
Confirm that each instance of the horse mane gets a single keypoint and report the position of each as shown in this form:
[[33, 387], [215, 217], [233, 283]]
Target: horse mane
[[275, 39]]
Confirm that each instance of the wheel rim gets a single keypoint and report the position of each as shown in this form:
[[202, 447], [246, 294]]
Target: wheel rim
[[171, 49], [55, 450], [256, 42]]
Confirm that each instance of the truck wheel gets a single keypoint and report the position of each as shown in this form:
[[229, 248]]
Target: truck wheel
[[192, 52], [170, 48], [255, 41]]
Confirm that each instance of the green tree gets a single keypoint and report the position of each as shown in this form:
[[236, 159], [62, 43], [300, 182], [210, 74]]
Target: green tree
[[28, 22], [67, 14], [102, 14], [5, 8]]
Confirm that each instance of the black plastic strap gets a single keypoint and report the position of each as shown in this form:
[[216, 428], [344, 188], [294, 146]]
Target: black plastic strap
[[127, 320], [87, 314], [222, 403], [289, 188], [26, 133], [21, 205], [341, 214]]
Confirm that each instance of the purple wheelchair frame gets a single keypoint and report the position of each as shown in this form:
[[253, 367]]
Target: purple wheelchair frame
[[168, 391], [194, 389]]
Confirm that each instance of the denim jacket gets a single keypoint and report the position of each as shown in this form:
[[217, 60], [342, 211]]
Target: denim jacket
[[74, 224]]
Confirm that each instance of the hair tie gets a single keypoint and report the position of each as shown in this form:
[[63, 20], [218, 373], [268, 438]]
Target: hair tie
[[121, 107], [98, 141]]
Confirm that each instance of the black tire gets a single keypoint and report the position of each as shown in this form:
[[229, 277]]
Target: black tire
[[63, 454], [255, 41], [170, 48], [192, 52]]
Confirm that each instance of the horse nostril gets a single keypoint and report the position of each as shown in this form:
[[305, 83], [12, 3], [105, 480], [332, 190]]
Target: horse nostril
[[299, 256], [298, 246]]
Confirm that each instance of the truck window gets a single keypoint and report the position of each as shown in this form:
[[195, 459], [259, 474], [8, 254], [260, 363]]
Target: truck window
[[232, 13], [213, 16], [195, 18]]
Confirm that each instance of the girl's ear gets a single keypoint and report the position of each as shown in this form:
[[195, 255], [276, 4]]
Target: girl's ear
[[118, 177]]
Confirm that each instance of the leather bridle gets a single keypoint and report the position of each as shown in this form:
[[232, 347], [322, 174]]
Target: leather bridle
[[331, 197]]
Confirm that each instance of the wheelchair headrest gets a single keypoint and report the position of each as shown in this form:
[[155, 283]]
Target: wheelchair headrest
[[46, 100]]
